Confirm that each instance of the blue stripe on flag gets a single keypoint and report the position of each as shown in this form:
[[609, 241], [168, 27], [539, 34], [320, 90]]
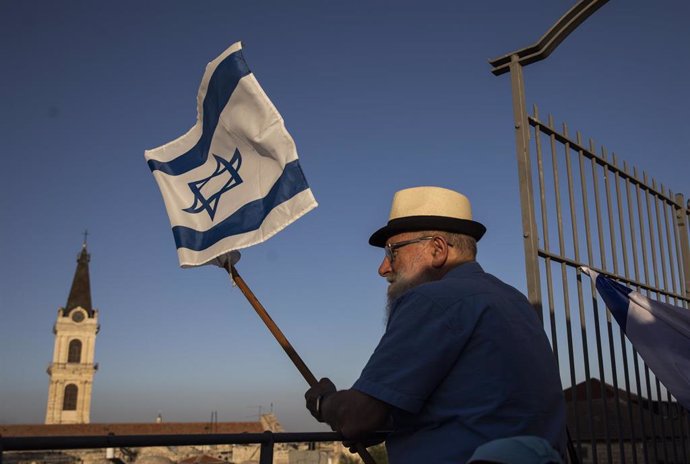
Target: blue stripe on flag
[[250, 216], [221, 86], [660, 332], [616, 298]]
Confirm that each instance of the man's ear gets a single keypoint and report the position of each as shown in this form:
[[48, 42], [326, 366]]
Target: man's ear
[[439, 253]]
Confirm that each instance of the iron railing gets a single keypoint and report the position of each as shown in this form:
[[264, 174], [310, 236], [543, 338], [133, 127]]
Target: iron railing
[[589, 209], [593, 210], [266, 440]]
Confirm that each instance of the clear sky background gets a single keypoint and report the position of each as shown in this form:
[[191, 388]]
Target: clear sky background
[[378, 96]]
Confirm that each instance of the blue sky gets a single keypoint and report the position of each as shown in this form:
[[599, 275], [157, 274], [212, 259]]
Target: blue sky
[[378, 96]]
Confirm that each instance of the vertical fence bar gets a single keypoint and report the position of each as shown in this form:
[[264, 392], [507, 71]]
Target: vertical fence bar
[[645, 263], [545, 238], [675, 215], [652, 239], [609, 208], [655, 269], [597, 202], [636, 267], [580, 297], [626, 271], [645, 267], [683, 431], [633, 236], [266, 451], [682, 221], [668, 225], [621, 222], [657, 283], [529, 227], [680, 232], [622, 341], [614, 257], [635, 357], [677, 289], [595, 308], [662, 254], [667, 287], [564, 282], [604, 266]]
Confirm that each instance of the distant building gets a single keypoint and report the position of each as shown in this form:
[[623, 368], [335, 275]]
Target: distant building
[[71, 372], [625, 426], [266, 422], [69, 404], [284, 453]]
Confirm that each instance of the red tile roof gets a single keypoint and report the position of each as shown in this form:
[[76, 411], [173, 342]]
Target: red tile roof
[[163, 428], [202, 459]]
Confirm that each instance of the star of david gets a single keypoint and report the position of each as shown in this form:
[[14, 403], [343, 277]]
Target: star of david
[[223, 168]]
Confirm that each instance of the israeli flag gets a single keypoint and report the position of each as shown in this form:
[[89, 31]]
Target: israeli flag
[[660, 332], [234, 179]]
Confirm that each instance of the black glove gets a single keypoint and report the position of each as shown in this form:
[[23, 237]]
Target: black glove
[[316, 395], [352, 445]]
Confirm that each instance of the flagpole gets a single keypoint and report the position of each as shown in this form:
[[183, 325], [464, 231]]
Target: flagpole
[[283, 341], [275, 330]]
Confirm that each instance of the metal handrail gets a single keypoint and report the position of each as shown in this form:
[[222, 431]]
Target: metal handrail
[[266, 439]]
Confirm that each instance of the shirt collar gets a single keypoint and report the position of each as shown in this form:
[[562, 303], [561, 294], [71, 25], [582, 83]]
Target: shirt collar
[[465, 269]]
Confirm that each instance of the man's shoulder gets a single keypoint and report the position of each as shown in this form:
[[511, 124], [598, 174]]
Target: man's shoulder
[[469, 282]]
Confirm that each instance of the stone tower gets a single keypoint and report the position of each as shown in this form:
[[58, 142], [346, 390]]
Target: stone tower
[[71, 372]]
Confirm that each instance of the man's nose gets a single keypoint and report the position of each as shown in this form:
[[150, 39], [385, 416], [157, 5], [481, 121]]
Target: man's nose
[[385, 267]]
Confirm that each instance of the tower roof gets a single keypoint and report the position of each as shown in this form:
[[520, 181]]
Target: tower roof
[[80, 293]]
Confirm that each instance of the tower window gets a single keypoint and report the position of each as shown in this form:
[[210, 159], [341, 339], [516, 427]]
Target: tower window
[[74, 352], [69, 402]]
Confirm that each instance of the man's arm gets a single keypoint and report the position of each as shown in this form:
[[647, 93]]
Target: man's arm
[[352, 413]]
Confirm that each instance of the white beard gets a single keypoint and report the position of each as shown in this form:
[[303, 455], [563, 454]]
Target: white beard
[[399, 284]]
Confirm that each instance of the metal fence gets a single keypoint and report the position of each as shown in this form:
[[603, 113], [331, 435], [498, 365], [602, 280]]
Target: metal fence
[[581, 206], [266, 440], [589, 209]]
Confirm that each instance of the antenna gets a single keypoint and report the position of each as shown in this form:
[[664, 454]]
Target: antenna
[[259, 409]]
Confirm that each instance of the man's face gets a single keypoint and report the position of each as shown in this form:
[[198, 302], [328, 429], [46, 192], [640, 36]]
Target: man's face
[[410, 264]]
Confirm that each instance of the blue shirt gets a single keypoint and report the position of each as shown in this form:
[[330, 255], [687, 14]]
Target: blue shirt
[[464, 360]]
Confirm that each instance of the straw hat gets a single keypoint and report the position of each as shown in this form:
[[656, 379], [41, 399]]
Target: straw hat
[[428, 208]]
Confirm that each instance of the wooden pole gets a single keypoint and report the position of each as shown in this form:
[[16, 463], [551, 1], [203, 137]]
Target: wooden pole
[[283, 341], [275, 330]]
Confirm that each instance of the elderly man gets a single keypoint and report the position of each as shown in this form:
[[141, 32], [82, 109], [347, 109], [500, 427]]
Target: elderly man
[[464, 359]]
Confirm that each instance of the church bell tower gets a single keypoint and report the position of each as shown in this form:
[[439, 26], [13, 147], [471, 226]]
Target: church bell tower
[[71, 372]]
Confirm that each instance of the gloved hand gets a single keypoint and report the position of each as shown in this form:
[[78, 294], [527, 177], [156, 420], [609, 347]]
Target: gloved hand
[[316, 395], [352, 445]]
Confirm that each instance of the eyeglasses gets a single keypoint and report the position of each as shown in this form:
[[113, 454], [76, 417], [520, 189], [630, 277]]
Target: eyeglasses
[[392, 248]]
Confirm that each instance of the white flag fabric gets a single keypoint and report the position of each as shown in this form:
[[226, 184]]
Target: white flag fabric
[[234, 179], [660, 332]]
